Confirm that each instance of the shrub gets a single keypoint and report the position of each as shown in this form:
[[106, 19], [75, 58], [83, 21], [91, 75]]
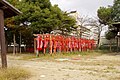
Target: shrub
[[13, 74]]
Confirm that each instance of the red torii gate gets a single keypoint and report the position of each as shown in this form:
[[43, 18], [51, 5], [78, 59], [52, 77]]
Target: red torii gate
[[59, 43]]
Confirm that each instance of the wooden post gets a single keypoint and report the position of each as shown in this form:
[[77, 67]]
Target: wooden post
[[51, 44], [14, 50], [117, 43], [44, 39], [20, 42], [35, 45], [2, 40]]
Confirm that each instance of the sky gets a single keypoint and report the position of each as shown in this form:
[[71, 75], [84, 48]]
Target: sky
[[84, 7]]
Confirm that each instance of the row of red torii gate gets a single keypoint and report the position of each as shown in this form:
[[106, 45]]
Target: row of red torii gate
[[49, 43]]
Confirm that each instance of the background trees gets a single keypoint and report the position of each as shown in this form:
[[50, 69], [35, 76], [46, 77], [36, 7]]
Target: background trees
[[104, 15], [116, 11], [38, 16], [109, 36], [108, 16]]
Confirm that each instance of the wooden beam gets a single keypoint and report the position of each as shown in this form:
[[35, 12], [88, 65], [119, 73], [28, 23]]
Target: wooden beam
[[2, 40], [8, 9]]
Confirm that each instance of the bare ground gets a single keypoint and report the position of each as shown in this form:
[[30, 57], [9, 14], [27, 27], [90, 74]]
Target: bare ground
[[102, 67]]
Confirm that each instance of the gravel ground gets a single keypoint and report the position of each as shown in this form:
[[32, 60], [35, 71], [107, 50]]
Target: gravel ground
[[102, 67]]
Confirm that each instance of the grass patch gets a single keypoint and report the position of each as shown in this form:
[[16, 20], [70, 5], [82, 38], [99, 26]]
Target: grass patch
[[27, 57], [47, 56], [103, 51], [14, 74], [67, 55]]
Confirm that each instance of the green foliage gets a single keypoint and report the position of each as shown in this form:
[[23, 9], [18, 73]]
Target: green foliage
[[38, 16], [116, 11], [107, 48], [104, 15], [13, 74], [109, 15], [67, 24], [110, 35], [42, 16], [58, 55]]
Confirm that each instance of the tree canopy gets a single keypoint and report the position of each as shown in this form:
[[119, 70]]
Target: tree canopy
[[109, 15], [110, 35], [38, 16], [104, 14], [116, 11]]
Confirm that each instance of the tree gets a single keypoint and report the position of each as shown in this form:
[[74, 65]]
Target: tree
[[42, 16], [110, 35], [66, 25], [83, 21], [108, 16], [97, 26], [38, 16], [104, 15], [116, 11]]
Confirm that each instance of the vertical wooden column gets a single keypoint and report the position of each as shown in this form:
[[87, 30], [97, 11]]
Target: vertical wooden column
[[35, 45], [117, 44], [20, 41], [51, 44], [14, 42], [2, 40]]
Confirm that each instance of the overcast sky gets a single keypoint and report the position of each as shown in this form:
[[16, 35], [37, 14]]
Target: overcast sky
[[84, 7]]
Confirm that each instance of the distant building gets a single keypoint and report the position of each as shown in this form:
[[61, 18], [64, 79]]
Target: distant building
[[82, 31], [94, 33]]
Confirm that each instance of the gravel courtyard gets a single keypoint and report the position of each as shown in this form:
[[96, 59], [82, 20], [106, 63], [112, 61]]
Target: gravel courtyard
[[101, 67]]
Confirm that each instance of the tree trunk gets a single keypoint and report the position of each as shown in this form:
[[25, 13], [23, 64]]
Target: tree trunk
[[110, 46], [14, 43], [20, 42], [6, 46], [98, 41], [35, 46]]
